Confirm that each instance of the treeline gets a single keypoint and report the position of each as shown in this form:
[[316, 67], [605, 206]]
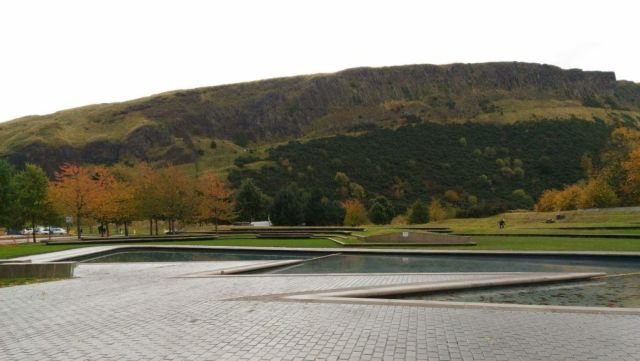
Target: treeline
[[612, 181], [122, 194], [117, 195], [292, 206], [469, 169]]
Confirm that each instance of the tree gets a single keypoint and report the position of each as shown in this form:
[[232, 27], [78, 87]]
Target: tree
[[357, 191], [102, 205], [355, 213], [6, 193], [419, 213], [586, 163], [452, 196], [521, 199], [631, 186], [71, 192], [251, 203], [377, 214], [321, 211], [569, 198], [123, 193], [547, 201], [347, 188], [177, 197], [314, 210], [117, 185], [343, 185], [146, 195], [335, 212], [436, 211], [31, 202], [216, 202], [472, 201], [381, 210], [597, 193], [288, 207]]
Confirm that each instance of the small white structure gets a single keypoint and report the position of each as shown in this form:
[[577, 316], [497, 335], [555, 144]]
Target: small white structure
[[261, 224]]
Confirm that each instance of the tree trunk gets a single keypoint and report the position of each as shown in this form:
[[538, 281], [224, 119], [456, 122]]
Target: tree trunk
[[126, 229], [156, 226], [33, 227], [151, 226], [107, 228], [78, 229]]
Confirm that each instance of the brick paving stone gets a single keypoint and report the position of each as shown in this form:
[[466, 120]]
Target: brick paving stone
[[146, 312]]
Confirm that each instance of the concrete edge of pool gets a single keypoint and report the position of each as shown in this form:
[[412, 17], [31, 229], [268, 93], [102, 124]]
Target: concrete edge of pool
[[85, 251], [374, 295], [470, 305]]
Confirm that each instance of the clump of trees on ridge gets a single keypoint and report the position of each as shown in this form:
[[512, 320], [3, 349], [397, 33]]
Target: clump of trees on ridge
[[616, 182]]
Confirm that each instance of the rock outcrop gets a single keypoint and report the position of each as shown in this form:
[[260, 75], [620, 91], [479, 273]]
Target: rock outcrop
[[163, 127]]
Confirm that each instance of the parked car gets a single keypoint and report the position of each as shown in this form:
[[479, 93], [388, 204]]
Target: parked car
[[57, 230], [26, 231], [42, 230]]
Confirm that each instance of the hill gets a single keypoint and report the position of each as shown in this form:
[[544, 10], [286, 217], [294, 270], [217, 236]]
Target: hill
[[486, 137], [178, 126]]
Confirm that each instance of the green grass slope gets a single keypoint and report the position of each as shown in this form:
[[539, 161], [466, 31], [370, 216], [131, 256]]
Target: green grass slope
[[176, 127]]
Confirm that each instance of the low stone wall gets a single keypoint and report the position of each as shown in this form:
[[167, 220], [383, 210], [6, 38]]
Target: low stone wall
[[138, 239], [284, 235], [37, 270], [414, 237]]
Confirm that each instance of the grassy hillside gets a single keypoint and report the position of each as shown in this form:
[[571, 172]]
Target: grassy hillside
[[177, 127]]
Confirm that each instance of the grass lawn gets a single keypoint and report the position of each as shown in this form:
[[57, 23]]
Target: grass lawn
[[517, 222], [9, 282], [26, 249], [553, 244], [533, 222]]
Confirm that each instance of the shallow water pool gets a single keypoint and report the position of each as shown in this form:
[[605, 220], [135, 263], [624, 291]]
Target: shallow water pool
[[618, 291], [376, 263]]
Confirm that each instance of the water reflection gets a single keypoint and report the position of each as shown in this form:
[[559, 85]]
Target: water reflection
[[618, 291], [476, 263]]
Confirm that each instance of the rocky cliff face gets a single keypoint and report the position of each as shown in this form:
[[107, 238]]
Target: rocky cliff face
[[163, 127]]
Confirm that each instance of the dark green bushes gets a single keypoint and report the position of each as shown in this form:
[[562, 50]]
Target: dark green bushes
[[425, 160]]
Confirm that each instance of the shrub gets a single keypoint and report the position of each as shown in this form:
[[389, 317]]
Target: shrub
[[419, 213]]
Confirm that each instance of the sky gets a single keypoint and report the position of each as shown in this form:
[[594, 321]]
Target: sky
[[62, 54]]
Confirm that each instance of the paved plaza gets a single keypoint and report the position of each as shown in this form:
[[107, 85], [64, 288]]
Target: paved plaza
[[159, 311]]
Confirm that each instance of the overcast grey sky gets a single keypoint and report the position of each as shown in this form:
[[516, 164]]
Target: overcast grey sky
[[68, 53]]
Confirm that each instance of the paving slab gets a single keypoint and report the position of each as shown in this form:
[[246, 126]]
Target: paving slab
[[149, 311]]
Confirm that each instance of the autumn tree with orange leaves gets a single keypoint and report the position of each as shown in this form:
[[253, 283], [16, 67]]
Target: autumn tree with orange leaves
[[102, 205], [72, 192], [112, 201], [355, 213], [123, 195], [177, 197], [146, 194], [215, 199]]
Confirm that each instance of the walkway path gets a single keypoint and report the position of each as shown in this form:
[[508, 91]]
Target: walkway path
[[148, 311]]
